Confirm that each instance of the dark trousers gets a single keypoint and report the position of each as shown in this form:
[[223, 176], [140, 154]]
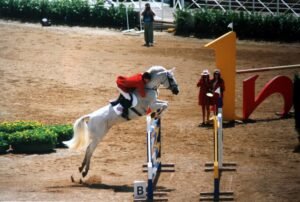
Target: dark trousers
[[148, 32]]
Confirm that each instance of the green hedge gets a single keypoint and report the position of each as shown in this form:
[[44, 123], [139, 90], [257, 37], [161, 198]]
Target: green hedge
[[4, 145], [32, 136], [37, 136], [71, 12], [213, 23], [11, 127], [40, 140], [63, 132]]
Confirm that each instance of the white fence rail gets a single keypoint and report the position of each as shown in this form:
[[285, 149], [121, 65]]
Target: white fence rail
[[273, 7]]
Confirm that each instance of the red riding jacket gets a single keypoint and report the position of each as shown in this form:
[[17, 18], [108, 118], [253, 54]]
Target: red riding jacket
[[128, 84]]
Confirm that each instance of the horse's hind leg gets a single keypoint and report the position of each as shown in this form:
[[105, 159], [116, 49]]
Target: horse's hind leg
[[83, 162], [86, 162], [96, 133], [86, 156]]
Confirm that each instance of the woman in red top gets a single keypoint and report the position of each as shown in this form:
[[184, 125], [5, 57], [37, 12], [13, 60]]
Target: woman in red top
[[217, 82], [203, 99], [127, 85]]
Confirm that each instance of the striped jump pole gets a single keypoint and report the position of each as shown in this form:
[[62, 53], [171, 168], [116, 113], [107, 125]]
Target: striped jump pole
[[217, 166], [154, 166], [153, 153]]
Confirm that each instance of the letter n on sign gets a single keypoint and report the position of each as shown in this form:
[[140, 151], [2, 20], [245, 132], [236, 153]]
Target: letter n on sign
[[279, 84]]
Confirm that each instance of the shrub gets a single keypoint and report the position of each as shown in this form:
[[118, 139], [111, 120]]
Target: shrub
[[71, 12], [36, 136], [213, 23], [11, 127], [77, 12], [39, 140], [63, 132], [4, 145], [3, 136], [184, 22], [32, 136]]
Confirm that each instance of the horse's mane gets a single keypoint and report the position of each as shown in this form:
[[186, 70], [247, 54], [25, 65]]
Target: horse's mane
[[156, 69]]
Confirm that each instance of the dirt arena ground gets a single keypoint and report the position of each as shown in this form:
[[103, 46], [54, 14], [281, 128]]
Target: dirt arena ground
[[57, 74]]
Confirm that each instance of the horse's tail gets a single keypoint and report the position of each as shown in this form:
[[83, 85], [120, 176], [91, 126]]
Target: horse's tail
[[80, 138]]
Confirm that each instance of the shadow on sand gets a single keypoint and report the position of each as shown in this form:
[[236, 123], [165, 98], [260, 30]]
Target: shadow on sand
[[115, 188]]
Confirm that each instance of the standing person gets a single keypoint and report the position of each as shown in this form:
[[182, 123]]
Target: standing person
[[126, 85], [203, 99], [217, 82], [148, 18]]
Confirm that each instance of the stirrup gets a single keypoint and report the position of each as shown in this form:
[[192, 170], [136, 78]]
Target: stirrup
[[125, 117]]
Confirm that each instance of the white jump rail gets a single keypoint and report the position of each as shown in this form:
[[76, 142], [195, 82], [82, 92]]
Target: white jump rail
[[154, 166], [295, 66]]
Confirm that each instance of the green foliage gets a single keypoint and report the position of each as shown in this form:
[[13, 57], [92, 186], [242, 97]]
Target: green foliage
[[4, 140], [11, 127], [63, 132], [184, 22], [71, 12], [3, 136], [213, 23], [36, 136], [32, 136], [4, 145]]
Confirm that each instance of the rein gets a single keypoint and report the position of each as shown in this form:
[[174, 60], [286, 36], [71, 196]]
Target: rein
[[156, 88]]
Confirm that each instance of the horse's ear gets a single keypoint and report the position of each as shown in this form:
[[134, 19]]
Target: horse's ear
[[172, 70]]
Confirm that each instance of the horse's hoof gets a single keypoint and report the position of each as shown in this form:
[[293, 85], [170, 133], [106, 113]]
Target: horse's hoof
[[80, 169], [72, 179], [84, 173]]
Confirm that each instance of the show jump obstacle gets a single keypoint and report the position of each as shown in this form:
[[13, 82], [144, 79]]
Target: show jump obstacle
[[154, 166], [218, 165]]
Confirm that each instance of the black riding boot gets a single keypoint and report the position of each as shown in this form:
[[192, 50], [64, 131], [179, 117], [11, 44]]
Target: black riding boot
[[115, 102], [126, 104], [125, 113]]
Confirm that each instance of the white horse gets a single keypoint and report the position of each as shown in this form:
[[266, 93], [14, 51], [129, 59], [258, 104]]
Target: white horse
[[91, 128]]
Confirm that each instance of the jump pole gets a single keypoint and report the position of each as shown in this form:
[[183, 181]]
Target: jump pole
[[218, 165], [154, 167], [267, 68]]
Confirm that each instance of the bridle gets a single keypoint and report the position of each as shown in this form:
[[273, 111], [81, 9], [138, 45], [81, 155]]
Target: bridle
[[170, 81]]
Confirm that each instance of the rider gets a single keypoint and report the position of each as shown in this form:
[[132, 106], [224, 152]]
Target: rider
[[126, 85]]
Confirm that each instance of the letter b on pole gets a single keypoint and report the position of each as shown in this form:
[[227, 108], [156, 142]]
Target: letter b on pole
[[139, 189]]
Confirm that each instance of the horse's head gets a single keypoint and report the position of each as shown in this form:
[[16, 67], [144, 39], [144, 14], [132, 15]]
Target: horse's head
[[170, 82], [162, 76]]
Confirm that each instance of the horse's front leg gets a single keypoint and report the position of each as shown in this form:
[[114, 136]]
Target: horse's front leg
[[159, 106]]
